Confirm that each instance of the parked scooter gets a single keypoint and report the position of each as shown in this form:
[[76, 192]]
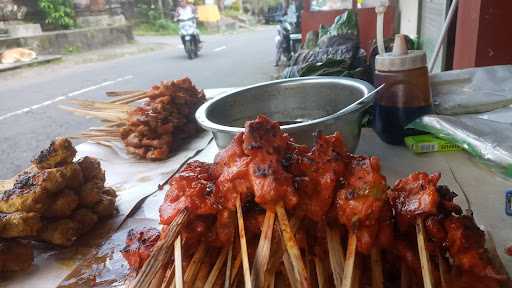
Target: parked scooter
[[189, 36], [288, 39]]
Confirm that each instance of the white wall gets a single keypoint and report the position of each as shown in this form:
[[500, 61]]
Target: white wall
[[409, 16]]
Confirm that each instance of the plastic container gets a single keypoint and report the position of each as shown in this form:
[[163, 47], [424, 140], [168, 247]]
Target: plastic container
[[406, 95]]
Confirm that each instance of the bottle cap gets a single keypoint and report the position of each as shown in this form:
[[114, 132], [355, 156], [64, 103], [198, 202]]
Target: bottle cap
[[400, 58]]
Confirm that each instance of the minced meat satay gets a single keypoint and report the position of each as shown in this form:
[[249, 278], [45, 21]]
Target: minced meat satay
[[62, 205], [60, 152], [19, 224], [91, 169], [61, 233], [15, 255], [85, 218]]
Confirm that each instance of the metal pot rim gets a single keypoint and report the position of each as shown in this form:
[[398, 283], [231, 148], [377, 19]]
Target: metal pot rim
[[202, 111]]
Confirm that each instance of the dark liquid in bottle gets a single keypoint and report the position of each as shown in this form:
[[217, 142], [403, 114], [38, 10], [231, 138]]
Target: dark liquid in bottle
[[392, 120], [405, 98]]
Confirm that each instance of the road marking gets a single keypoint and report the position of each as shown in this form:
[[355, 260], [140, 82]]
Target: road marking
[[74, 93], [219, 48]]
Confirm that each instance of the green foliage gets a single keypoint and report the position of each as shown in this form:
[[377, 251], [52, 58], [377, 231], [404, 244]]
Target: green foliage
[[58, 13], [150, 22], [158, 27], [231, 12]]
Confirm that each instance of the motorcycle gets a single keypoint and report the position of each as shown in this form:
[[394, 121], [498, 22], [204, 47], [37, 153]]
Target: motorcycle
[[189, 36], [288, 40]]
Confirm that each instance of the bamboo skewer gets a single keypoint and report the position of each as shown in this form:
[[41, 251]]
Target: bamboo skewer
[[294, 281], [424, 257], [229, 263], [203, 272], [243, 244], [178, 263], [336, 254], [129, 98], [122, 93], [108, 116], [442, 271], [404, 276], [263, 251], [376, 264], [159, 279], [214, 273], [235, 268], [169, 281], [299, 270], [357, 272], [348, 272], [320, 273], [161, 253], [193, 266]]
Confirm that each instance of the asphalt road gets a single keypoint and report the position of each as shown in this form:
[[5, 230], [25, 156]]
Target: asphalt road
[[29, 98]]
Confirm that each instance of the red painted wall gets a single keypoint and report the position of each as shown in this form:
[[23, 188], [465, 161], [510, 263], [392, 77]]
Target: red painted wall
[[367, 19], [484, 34]]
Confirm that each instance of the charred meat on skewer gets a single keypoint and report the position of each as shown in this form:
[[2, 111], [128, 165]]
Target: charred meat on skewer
[[164, 121], [139, 244], [361, 199]]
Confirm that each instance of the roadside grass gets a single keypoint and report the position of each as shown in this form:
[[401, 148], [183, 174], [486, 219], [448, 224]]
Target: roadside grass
[[163, 27]]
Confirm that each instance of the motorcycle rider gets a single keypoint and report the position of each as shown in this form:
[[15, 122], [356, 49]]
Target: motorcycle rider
[[185, 11]]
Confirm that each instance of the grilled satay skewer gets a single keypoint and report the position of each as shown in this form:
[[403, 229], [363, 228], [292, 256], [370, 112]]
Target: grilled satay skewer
[[348, 271], [161, 252], [243, 244], [263, 251], [336, 254], [376, 264], [214, 273], [426, 268], [178, 263], [123, 93]]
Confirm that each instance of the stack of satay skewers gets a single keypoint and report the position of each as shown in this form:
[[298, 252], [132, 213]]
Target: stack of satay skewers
[[152, 130], [271, 213]]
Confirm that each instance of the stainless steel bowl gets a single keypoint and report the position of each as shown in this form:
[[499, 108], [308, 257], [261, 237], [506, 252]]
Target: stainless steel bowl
[[302, 106]]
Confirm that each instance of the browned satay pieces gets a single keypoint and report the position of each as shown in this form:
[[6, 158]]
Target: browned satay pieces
[[139, 244], [414, 196], [361, 199], [265, 144], [164, 121], [466, 245]]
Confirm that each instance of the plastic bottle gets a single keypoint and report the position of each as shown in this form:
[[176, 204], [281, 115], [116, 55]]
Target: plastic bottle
[[406, 95]]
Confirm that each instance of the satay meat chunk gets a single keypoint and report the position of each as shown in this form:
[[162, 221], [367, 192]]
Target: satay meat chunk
[[466, 245], [321, 170], [15, 255], [91, 169], [60, 152], [62, 204], [61, 233], [85, 218], [139, 245], [414, 196], [192, 188], [31, 190], [360, 201], [19, 224], [266, 144]]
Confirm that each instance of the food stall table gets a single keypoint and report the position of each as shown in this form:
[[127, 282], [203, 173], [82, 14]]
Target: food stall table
[[137, 182]]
